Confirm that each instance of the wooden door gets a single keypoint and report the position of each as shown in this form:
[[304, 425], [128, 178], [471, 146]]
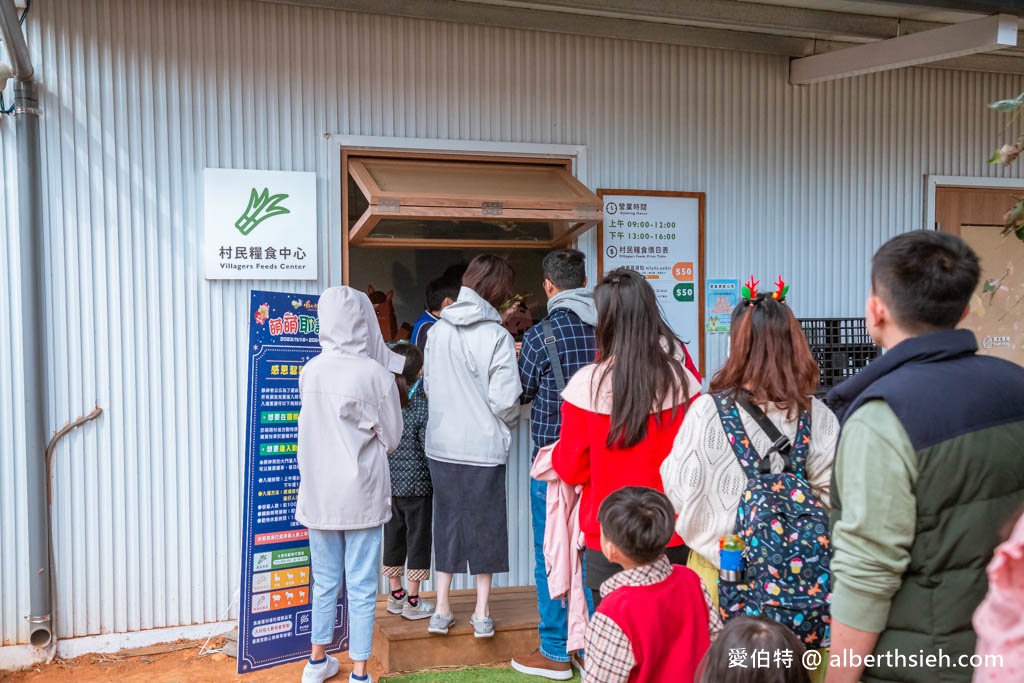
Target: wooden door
[[959, 206], [997, 307]]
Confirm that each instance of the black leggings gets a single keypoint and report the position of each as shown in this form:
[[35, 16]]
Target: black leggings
[[407, 534]]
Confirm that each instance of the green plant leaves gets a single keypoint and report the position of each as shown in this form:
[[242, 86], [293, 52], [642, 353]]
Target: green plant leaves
[[1008, 106]]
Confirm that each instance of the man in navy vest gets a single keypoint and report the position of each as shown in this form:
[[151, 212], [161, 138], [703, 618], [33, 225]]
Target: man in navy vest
[[930, 469], [570, 339]]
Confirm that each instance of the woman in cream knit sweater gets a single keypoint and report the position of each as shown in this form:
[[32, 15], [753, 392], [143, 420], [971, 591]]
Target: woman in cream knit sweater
[[769, 358]]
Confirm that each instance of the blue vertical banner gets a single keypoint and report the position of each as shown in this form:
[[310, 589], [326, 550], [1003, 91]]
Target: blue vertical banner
[[275, 619]]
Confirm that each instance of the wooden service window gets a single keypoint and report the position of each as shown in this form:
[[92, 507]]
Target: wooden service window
[[463, 203]]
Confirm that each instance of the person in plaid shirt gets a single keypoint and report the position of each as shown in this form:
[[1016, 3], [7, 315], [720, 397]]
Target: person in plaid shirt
[[656, 619], [571, 317]]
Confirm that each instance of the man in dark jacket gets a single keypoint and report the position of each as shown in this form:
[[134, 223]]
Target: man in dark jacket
[[566, 334], [929, 470]]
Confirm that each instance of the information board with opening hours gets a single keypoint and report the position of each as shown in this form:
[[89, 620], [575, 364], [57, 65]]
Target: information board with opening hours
[[661, 236]]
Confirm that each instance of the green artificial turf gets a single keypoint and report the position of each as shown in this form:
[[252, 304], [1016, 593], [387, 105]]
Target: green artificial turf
[[470, 675]]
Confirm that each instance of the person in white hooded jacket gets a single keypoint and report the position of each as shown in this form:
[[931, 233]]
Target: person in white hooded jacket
[[351, 418], [472, 379]]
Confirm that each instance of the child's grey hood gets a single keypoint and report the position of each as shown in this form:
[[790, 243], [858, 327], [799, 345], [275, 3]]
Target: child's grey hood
[[348, 326]]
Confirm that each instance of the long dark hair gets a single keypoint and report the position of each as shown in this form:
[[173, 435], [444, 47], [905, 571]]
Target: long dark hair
[[769, 356], [636, 344], [411, 372], [751, 634]]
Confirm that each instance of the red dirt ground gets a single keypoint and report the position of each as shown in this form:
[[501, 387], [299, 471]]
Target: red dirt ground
[[163, 667]]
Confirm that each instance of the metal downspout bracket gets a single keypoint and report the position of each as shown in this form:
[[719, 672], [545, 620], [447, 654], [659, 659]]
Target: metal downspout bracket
[[30, 276]]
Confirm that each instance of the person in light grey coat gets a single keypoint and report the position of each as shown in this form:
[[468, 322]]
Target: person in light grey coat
[[351, 418], [472, 379]]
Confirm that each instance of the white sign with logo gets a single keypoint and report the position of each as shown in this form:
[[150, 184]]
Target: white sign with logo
[[660, 235], [259, 225]]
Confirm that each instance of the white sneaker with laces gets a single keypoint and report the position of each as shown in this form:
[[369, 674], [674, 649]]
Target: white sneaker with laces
[[352, 679], [314, 673]]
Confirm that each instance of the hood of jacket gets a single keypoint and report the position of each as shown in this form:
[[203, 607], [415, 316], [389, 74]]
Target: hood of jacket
[[580, 301], [348, 327], [471, 308]]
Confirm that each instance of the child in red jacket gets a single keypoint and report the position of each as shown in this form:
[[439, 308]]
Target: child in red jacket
[[656, 620]]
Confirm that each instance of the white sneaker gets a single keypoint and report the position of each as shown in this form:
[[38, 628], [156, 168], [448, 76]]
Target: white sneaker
[[422, 610], [314, 673], [352, 679]]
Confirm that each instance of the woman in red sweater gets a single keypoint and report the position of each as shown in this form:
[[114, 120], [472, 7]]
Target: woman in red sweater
[[620, 415]]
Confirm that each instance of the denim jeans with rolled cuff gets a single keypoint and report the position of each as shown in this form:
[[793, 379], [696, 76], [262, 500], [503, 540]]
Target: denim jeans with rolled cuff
[[351, 558]]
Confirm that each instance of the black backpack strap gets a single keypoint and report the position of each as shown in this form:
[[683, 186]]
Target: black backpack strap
[[549, 343], [780, 442]]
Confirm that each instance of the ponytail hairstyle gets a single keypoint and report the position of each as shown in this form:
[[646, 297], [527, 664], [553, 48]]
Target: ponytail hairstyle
[[639, 350], [411, 372], [768, 355]]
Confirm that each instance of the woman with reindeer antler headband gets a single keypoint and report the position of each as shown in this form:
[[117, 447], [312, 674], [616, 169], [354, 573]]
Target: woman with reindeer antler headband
[[761, 442]]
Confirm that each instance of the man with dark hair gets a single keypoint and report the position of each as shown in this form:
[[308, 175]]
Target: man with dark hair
[[656, 620], [441, 292], [930, 468], [552, 352]]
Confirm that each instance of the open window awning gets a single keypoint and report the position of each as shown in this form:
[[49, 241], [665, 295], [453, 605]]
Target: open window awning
[[426, 203]]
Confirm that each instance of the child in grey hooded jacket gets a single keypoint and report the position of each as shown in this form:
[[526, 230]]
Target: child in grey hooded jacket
[[351, 418]]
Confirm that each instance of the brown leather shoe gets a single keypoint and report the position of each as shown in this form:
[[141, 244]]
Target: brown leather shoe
[[579, 660], [536, 664]]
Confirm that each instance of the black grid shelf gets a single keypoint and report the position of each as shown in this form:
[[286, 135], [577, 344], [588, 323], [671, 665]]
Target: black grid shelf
[[840, 346]]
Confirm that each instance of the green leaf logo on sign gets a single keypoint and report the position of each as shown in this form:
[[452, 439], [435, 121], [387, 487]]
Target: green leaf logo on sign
[[262, 205]]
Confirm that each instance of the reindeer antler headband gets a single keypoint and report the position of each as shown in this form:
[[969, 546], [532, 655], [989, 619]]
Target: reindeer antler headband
[[749, 291]]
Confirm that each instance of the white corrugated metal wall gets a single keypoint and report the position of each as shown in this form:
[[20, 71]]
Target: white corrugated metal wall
[[139, 97], [13, 528]]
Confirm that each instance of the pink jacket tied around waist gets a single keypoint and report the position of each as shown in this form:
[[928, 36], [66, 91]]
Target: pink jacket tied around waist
[[563, 546], [999, 620]]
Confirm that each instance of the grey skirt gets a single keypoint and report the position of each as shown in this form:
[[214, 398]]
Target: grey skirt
[[470, 518]]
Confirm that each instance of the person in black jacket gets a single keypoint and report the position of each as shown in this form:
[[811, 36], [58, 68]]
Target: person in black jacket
[[407, 537]]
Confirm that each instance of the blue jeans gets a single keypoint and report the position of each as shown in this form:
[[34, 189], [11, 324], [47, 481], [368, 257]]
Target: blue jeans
[[351, 557], [554, 614]]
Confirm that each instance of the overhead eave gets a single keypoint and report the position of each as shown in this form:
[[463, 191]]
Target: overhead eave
[[949, 42], [722, 24]]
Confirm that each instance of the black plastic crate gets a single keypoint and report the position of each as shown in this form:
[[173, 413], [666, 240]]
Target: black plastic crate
[[840, 346]]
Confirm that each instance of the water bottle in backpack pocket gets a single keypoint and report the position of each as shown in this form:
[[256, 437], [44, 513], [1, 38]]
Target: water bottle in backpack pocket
[[784, 528]]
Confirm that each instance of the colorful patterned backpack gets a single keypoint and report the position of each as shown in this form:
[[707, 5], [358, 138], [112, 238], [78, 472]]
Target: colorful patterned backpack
[[785, 529]]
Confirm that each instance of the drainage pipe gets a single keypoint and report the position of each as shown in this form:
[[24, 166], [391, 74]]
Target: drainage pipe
[[48, 460], [30, 227], [14, 40]]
